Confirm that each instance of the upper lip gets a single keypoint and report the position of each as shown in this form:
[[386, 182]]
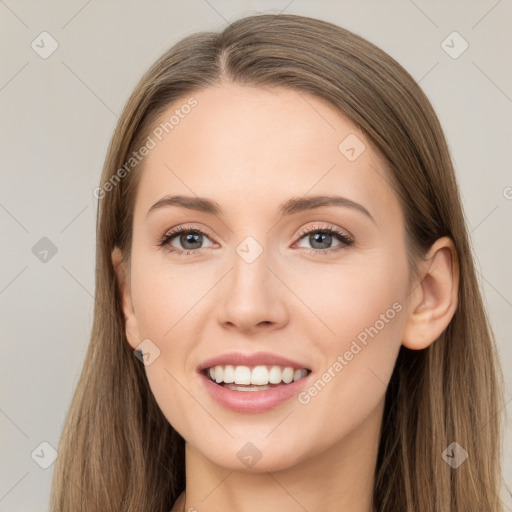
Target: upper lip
[[254, 359]]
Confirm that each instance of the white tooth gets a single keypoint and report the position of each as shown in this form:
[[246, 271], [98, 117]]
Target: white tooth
[[274, 376], [212, 373], [288, 375], [242, 375], [297, 375], [234, 387], [303, 373], [229, 374], [219, 374], [259, 375]]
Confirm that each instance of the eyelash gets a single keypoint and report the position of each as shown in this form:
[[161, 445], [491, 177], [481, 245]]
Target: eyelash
[[346, 239]]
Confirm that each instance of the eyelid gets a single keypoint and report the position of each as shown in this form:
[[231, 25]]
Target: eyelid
[[188, 227], [326, 227]]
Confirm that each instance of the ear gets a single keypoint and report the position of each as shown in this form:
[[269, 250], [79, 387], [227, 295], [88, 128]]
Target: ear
[[435, 298], [122, 272]]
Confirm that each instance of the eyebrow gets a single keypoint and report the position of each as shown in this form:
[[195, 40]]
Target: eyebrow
[[292, 206]]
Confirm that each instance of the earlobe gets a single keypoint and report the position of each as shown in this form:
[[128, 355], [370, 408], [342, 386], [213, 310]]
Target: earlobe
[[124, 293], [435, 298]]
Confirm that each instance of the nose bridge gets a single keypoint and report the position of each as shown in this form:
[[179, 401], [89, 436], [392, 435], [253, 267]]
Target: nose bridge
[[251, 295], [250, 275]]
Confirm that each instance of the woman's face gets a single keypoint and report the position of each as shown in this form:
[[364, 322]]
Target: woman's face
[[261, 285]]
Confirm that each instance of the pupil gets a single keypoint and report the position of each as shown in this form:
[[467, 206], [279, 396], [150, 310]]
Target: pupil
[[320, 238], [189, 238]]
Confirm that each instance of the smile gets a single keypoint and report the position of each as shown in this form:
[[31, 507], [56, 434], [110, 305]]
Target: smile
[[257, 378]]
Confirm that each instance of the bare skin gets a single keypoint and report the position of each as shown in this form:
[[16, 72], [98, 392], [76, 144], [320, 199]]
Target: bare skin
[[250, 150]]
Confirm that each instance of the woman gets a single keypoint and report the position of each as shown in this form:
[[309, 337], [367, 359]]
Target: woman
[[287, 313]]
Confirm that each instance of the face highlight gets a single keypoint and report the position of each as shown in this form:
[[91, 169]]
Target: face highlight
[[264, 223]]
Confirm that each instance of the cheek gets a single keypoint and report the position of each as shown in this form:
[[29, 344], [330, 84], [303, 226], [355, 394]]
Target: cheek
[[168, 301], [166, 298], [347, 298], [364, 308]]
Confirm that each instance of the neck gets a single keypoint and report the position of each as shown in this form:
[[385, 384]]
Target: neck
[[339, 478]]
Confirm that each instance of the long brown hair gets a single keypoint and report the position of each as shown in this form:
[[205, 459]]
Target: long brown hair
[[119, 453]]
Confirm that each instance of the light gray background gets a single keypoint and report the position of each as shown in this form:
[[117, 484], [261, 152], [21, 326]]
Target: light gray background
[[57, 118]]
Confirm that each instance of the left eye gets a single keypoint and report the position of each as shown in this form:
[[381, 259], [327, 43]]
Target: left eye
[[318, 237]]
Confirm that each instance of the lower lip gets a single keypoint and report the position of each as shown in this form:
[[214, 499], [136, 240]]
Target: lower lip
[[253, 401]]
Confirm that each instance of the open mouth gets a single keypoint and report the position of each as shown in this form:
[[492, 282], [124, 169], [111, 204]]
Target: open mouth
[[256, 378]]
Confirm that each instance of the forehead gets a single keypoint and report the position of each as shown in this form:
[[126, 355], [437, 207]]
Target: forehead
[[247, 146]]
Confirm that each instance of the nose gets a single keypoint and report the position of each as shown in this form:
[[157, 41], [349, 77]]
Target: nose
[[252, 296]]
